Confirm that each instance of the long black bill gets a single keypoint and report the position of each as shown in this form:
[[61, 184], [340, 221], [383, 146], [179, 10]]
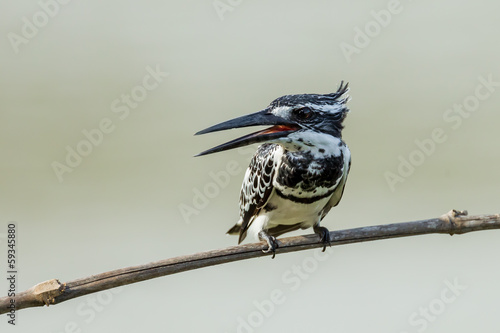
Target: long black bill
[[281, 127]]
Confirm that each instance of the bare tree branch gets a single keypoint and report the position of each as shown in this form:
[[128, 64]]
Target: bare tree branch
[[54, 292]]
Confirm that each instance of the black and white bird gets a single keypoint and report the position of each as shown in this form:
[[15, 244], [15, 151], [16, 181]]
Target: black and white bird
[[299, 172]]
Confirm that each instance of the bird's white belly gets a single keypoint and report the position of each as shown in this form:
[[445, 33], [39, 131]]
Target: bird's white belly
[[287, 212]]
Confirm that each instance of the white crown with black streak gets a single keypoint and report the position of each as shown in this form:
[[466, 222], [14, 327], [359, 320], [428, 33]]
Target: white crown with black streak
[[300, 171]]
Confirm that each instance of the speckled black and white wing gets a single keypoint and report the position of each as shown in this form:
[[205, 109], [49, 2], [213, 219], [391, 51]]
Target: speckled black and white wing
[[257, 187]]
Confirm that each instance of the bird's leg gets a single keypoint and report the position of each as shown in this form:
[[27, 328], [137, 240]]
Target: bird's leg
[[271, 242], [324, 235]]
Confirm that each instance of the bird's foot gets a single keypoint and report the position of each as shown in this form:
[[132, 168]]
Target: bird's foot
[[324, 236], [272, 244]]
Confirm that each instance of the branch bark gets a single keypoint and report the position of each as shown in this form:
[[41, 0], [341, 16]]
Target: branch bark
[[55, 292]]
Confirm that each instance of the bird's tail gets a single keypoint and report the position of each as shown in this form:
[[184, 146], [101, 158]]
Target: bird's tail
[[235, 230]]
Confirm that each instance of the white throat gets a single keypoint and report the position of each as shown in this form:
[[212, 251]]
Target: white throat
[[319, 144]]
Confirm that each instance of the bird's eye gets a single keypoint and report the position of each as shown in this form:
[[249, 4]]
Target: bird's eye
[[303, 114]]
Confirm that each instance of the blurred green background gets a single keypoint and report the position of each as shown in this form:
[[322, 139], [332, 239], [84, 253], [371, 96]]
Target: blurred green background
[[67, 69]]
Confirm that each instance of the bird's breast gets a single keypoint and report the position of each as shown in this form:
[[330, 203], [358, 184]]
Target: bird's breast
[[304, 177]]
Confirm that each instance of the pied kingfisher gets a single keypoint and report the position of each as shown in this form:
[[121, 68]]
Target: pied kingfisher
[[300, 171]]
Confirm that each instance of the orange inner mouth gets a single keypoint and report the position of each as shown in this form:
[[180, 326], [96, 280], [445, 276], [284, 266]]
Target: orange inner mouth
[[278, 128]]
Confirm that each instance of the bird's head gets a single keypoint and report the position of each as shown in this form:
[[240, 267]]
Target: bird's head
[[288, 115]]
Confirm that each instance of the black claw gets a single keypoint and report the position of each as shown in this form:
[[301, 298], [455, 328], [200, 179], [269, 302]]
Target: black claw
[[272, 244], [324, 236]]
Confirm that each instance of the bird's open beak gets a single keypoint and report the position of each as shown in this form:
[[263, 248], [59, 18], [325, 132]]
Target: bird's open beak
[[280, 128]]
